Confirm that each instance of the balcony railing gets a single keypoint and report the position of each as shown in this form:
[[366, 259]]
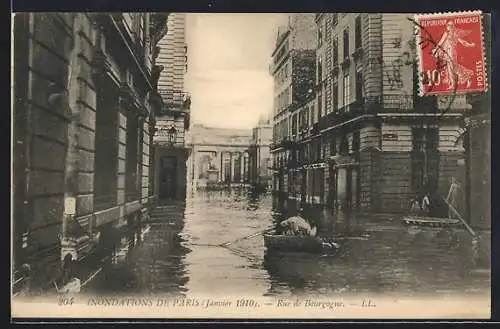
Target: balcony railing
[[175, 100], [285, 143]]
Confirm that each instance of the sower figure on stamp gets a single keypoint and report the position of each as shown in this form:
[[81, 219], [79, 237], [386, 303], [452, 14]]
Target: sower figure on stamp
[[446, 52]]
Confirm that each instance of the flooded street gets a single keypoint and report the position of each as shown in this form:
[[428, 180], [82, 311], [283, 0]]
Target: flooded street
[[178, 254]]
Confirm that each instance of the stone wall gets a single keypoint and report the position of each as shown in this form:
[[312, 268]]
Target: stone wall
[[50, 42], [56, 126], [480, 175]]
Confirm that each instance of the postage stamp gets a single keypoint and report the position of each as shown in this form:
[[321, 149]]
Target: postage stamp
[[450, 49]]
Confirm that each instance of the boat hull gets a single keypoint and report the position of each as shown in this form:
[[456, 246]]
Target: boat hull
[[290, 243]]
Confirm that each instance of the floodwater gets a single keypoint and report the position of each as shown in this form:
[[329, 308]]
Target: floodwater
[[177, 253]]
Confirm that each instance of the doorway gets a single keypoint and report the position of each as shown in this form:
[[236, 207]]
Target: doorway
[[168, 177]]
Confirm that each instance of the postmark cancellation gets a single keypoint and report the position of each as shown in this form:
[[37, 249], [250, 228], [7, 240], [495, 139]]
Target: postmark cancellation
[[451, 53]]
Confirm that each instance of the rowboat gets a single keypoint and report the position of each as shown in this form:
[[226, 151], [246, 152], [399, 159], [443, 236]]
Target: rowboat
[[293, 243], [430, 221]]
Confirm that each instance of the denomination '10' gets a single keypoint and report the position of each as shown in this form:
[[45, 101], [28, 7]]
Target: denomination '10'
[[431, 78]]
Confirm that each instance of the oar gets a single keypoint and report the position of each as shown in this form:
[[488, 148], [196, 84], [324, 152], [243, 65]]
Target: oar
[[471, 231], [352, 238], [225, 244]]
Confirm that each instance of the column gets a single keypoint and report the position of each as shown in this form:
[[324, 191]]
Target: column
[[217, 164], [231, 167], [222, 171], [242, 168]]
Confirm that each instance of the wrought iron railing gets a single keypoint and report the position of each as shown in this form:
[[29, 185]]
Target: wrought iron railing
[[285, 143], [380, 104]]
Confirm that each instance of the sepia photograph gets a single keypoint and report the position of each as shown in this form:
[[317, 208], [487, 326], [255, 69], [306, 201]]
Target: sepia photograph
[[175, 165]]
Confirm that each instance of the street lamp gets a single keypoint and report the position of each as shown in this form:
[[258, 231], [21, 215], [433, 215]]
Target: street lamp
[[172, 136]]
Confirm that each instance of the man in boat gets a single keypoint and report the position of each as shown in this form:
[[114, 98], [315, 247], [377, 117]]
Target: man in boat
[[298, 225]]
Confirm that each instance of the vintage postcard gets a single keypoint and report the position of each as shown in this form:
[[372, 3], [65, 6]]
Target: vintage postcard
[[251, 166]]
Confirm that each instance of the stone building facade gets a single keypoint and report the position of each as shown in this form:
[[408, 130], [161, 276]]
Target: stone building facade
[[372, 142], [85, 98], [293, 70], [173, 121]]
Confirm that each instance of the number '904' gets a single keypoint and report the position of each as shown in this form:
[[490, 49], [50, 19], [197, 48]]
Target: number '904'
[[66, 301]]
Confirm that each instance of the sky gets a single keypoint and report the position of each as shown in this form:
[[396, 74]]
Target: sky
[[228, 61]]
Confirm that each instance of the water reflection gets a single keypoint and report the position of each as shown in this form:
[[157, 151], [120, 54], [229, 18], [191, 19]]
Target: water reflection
[[149, 261], [179, 254]]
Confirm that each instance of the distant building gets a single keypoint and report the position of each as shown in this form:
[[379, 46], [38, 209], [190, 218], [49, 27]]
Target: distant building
[[219, 156], [293, 70], [170, 150], [259, 155]]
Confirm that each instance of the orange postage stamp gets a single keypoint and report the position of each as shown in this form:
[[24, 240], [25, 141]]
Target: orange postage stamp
[[450, 48]]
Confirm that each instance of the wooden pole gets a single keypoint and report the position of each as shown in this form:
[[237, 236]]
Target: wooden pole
[[247, 237], [471, 231]]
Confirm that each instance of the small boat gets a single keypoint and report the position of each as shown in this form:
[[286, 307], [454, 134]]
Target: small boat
[[294, 243], [430, 221]]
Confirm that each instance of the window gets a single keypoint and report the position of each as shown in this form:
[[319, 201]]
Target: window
[[335, 97], [335, 51], [424, 139], [294, 125], [320, 36], [346, 44], [347, 91], [357, 33], [132, 157], [333, 146], [356, 141], [425, 160], [311, 120], [335, 19], [359, 86], [106, 148], [320, 105], [142, 30], [320, 71], [344, 145]]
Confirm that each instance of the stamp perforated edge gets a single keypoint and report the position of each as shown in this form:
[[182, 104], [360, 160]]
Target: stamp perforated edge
[[418, 40]]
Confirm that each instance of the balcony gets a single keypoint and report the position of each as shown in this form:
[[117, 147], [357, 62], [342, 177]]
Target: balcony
[[175, 101], [384, 104], [285, 143]]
